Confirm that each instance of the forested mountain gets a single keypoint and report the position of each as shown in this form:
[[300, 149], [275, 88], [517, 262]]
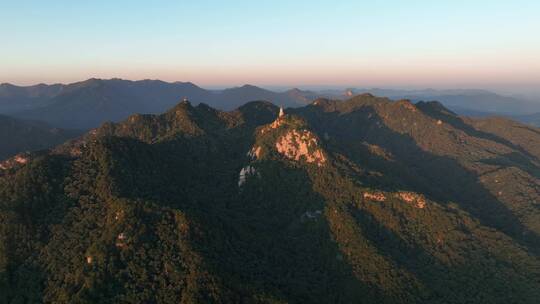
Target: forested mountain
[[20, 136], [359, 201], [464, 101]]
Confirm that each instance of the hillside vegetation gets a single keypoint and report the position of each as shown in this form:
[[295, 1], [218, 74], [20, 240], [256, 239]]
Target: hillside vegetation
[[359, 201]]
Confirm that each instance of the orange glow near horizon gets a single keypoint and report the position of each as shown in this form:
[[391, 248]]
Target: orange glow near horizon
[[308, 76], [475, 70]]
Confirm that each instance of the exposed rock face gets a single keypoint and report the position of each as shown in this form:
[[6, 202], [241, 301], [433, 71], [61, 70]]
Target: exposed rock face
[[244, 173], [255, 152], [300, 144], [294, 141], [415, 199], [412, 198], [375, 196], [19, 159]]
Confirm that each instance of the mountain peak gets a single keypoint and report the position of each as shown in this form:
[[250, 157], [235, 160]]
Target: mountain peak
[[299, 92], [289, 137], [183, 106], [249, 86]]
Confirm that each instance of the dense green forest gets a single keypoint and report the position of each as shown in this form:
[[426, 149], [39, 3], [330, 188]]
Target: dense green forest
[[358, 201]]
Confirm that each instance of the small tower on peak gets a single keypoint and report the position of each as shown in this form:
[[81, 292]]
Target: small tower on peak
[[185, 100], [281, 112]]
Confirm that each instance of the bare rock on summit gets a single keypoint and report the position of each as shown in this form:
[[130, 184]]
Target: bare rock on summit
[[301, 144]]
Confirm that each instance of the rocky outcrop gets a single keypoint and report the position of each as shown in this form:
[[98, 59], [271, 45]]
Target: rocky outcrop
[[293, 141], [255, 152], [297, 145], [19, 159], [244, 173], [375, 196], [415, 199]]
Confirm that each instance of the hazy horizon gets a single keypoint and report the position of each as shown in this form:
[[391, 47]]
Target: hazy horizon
[[530, 93], [420, 44]]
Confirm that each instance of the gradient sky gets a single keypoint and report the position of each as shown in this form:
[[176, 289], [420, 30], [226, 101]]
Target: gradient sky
[[471, 43]]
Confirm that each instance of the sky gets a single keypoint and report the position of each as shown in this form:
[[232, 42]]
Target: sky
[[438, 44]]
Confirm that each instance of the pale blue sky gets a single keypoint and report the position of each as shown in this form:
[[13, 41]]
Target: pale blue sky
[[362, 43]]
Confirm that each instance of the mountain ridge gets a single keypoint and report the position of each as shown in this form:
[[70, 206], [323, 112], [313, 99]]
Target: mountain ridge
[[337, 201], [82, 104]]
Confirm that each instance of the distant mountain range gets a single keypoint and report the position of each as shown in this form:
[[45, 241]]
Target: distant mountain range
[[365, 200], [15, 98], [89, 103]]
